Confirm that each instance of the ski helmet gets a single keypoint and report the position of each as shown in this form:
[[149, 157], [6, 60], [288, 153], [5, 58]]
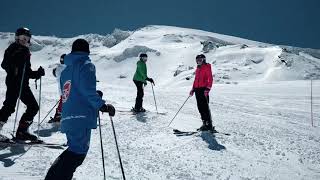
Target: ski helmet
[[201, 57], [143, 55], [62, 58], [23, 31], [80, 45]]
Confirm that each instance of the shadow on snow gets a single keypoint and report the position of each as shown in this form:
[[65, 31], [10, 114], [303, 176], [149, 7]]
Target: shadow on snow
[[14, 150], [211, 141]]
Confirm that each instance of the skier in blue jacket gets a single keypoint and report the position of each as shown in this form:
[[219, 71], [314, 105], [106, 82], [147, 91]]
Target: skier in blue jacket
[[80, 107]]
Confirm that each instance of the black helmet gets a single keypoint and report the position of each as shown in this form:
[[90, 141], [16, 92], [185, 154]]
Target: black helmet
[[80, 45], [202, 56], [62, 58], [23, 31], [143, 55]]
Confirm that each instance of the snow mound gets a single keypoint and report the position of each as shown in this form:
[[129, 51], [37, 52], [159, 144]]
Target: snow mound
[[120, 35], [172, 38], [134, 52], [109, 40]]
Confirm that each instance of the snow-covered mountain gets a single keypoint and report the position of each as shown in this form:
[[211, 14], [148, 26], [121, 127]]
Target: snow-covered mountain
[[261, 96], [233, 59]]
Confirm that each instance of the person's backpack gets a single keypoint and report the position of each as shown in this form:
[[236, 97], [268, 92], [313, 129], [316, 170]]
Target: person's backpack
[[7, 58]]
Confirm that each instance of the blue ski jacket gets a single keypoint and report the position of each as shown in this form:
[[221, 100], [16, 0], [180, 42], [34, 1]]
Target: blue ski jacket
[[81, 102]]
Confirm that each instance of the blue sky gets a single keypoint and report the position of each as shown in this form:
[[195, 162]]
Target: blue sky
[[288, 22]]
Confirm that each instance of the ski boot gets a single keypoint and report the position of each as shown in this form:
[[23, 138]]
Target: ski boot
[[25, 135], [138, 110], [142, 109], [207, 127], [22, 132]]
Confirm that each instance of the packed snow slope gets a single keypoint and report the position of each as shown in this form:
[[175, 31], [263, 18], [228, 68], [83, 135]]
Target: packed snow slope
[[261, 96]]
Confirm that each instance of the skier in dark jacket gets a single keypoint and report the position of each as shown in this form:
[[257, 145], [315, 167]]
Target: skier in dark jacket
[[16, 62], [201, 86], [80, 107], [140, 78]]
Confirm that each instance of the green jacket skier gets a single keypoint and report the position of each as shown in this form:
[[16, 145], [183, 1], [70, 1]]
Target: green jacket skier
[[140, 78]]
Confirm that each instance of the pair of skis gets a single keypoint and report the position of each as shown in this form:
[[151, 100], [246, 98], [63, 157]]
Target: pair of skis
[[6, 141], [136, 113], [178, 132]]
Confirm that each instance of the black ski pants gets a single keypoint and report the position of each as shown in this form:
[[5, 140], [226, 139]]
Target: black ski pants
[[203, 106], [9, 104], [65, 165], [140, 93]]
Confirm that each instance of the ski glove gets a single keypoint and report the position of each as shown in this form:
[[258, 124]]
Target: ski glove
[[109, 109], [150, 80], [100, 93], [40, 72], [206, 92], [191, 92]]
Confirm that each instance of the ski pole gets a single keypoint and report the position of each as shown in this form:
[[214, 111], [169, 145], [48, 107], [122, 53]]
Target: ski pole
[[154, 97], [39, 108], [20, 91], [49, 112], [102, 152], [115, 139], [179, 110], [311, 105]]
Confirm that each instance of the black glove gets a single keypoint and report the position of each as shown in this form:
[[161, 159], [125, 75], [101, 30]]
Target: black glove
[[100, 93], [41, 71], [150, 80], [108, 108]]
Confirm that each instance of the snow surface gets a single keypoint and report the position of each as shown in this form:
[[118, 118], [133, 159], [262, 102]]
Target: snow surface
[[261, 102]]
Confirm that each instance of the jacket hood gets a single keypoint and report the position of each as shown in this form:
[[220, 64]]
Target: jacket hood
[[76, 57]]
